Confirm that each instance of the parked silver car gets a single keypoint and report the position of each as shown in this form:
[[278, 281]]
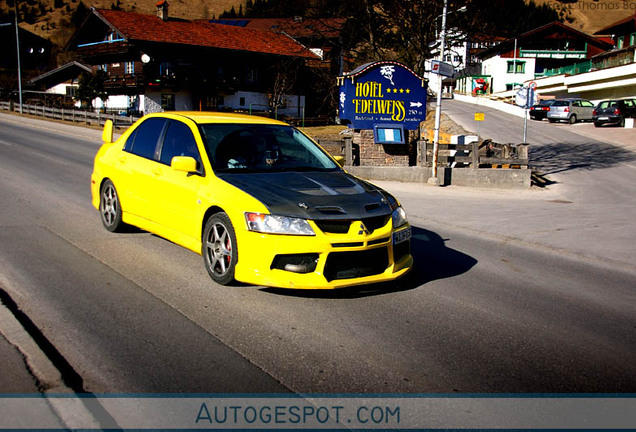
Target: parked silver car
[[571, 110]]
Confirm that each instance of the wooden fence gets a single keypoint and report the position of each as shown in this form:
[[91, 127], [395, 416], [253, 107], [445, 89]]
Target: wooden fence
[[475, 155], [72, 115], [486, 154]]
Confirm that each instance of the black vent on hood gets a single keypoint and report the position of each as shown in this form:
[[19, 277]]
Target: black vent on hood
[[331, 210]]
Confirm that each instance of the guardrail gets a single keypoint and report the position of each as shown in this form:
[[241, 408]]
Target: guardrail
[[72, 115]]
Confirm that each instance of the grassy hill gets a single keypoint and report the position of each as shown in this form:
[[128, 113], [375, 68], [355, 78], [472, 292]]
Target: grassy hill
[[51, 18], [589, 16]]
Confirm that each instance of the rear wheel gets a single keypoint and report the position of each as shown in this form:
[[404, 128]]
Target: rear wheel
[[109, 207], [597, 124], [572, 119], [552, 120], [622, 122], [218, 248]]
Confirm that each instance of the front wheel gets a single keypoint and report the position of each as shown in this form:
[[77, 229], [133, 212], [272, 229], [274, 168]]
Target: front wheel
[[218, 248], [110, 208]]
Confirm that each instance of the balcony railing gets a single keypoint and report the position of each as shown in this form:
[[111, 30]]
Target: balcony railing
[[124, 81], [614, 58], [574, 69]]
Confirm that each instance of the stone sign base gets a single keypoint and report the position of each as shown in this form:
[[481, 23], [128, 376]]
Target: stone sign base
[[482, 177], [372, 154]]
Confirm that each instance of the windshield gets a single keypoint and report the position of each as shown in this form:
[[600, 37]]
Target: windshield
[[262, 148]]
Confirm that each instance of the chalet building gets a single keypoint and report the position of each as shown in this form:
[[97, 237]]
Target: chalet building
[[35, 56], [609, 74], [623, 34], [155, 62], [58, 87], [534, 54]]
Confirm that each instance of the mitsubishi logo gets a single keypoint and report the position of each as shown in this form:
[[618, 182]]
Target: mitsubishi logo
[[363, 230]]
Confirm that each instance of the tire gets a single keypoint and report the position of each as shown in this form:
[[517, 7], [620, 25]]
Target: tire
[[572, 119], [552, 120], [622, 122], [219, 249], [597, 124], [110, 207]]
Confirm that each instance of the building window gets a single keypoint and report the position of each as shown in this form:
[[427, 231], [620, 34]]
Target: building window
[[71, 91], [166, 69], [516, 67], [621, 42], [242, 101], [167, 101], [252, 75], [129, 68], [632, 39]]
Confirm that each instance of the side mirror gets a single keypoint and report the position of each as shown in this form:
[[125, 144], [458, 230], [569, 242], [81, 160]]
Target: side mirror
[[107, 134], [184, 163], [340, 160]]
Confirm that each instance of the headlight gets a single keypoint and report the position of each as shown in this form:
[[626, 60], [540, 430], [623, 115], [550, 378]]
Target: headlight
[[273, 224], [399, 217]]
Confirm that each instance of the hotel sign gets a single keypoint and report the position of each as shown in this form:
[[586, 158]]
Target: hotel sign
[[383, 92]]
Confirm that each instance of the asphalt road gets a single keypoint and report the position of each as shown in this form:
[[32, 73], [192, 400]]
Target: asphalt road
[[134, 313]]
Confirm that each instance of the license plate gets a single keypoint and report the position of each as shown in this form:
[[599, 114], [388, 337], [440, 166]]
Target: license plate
[[603, 118], [402, 236]]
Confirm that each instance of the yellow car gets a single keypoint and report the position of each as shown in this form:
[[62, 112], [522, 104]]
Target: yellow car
[[259, 200]]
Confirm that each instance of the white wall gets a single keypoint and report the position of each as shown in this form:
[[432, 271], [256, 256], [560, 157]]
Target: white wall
[[152, 102], [255, 102], [497, 68]]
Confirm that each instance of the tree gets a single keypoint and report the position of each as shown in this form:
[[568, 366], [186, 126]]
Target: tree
[[91, 86]]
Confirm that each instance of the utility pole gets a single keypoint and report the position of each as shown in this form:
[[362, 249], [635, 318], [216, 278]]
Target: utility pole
[[438, 109], [17, 43]]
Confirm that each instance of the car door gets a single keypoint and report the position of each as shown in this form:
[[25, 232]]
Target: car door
[[630, 107], [135, 165], [176, 192], [586, 109]]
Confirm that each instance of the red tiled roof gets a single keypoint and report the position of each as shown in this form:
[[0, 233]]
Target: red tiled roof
[[142, 27]]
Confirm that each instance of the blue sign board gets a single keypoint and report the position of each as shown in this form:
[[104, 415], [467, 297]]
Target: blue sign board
[[383, 92]]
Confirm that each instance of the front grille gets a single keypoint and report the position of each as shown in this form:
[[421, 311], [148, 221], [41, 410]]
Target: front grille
[[342, 226], [333, 226], [349, 265]]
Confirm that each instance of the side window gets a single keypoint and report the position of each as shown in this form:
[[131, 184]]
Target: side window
[[587, 104], [576, 103], [179, 141], [143, 141]]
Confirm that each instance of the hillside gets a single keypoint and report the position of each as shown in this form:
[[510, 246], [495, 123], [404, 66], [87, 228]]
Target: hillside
[[50, 18], [589, 16]]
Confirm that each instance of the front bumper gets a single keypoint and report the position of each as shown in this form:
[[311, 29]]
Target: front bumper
[[326, 260]]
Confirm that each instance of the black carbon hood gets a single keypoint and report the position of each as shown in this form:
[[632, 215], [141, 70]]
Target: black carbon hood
[[314, 195]]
